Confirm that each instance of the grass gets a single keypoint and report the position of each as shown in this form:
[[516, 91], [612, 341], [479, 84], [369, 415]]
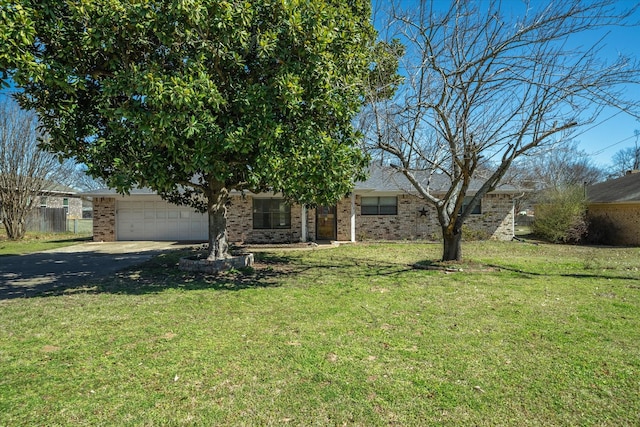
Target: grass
[[542, 335], [37, 242]]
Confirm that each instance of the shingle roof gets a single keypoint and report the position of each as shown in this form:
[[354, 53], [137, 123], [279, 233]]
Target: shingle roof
[[380, 179], [111, 192], [619, 190], [388, 179], [51, 188]]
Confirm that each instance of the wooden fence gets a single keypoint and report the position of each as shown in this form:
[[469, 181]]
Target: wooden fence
[[48, 220]]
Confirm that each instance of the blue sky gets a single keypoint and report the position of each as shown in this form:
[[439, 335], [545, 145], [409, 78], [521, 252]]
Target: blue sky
[[612, 131]]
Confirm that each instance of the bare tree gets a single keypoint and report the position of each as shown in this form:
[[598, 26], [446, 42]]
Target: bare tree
[[482, 88], [560, 167], [627, 159], [25, 171], [81, 180]]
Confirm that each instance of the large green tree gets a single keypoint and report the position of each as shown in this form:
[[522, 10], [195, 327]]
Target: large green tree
[[196, 98]]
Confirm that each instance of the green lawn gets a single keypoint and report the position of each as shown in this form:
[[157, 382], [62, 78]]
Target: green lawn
[[524, 335], [36, 242]]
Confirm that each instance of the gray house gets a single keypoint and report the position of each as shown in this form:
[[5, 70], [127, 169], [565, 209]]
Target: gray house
[[62, 197]]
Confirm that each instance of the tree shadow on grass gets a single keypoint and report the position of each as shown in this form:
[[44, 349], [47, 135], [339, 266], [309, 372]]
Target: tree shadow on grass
[[269, 271], [161, 273], [470, 266], [139, 273], [272, 270], [355, 267], [526, 273]]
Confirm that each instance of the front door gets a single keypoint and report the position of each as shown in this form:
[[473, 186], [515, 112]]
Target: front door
[[326, 223]]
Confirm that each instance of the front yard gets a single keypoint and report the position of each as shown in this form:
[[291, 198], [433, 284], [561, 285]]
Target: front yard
[[36, 242], [524, 335]]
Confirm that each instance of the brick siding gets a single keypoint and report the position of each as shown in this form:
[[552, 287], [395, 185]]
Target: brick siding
[[496, 221], [240, 224], [625, 218], [104, 219], [74, 206]]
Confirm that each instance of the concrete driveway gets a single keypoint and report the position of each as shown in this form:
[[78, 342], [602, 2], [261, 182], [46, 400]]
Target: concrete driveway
[[56, 269]]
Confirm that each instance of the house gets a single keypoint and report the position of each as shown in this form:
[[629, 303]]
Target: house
[[382, 207], [62, 197], [613, 209], [54, 208], [59, 196]]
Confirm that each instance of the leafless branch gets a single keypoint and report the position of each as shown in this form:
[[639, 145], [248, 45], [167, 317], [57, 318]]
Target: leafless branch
[[483, 88], [26, 172]]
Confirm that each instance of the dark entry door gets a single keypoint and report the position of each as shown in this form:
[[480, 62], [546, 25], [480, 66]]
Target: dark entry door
[[326, 223]]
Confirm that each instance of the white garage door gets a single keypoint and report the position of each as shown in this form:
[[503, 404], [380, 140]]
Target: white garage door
[[159, 220]]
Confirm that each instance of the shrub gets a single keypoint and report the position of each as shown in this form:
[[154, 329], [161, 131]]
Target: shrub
[[560, 216]]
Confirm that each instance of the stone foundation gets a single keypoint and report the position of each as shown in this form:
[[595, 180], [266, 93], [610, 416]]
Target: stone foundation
[[212, 267]]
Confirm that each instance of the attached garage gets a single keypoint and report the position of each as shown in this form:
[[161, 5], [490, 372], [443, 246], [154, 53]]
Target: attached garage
[[158, 220], [143, 215]]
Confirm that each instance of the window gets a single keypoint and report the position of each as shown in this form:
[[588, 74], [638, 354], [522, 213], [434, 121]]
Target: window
[[477, 210], [65, 205], [379, 206], [43, 201], [271, 213]]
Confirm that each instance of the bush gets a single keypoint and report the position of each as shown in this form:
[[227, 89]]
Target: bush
[[560, 217]]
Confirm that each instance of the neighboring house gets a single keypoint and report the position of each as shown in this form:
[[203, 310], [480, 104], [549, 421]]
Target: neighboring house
[[382, 207], [613, 209], [54, 209], [62, 197]]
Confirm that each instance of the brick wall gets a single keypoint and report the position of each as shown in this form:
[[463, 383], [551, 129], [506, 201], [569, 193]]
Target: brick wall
[[625, 218], [495, 221], [311, 224], [74, 206], [104, 219], [240, 224], [343, 213]]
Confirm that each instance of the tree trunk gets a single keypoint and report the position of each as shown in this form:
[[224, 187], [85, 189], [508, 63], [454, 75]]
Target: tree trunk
[[15, 228], [452, 244], [217, 210]]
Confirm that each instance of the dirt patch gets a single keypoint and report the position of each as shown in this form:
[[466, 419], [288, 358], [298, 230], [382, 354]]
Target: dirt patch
[[299, 246], [203, 265]]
